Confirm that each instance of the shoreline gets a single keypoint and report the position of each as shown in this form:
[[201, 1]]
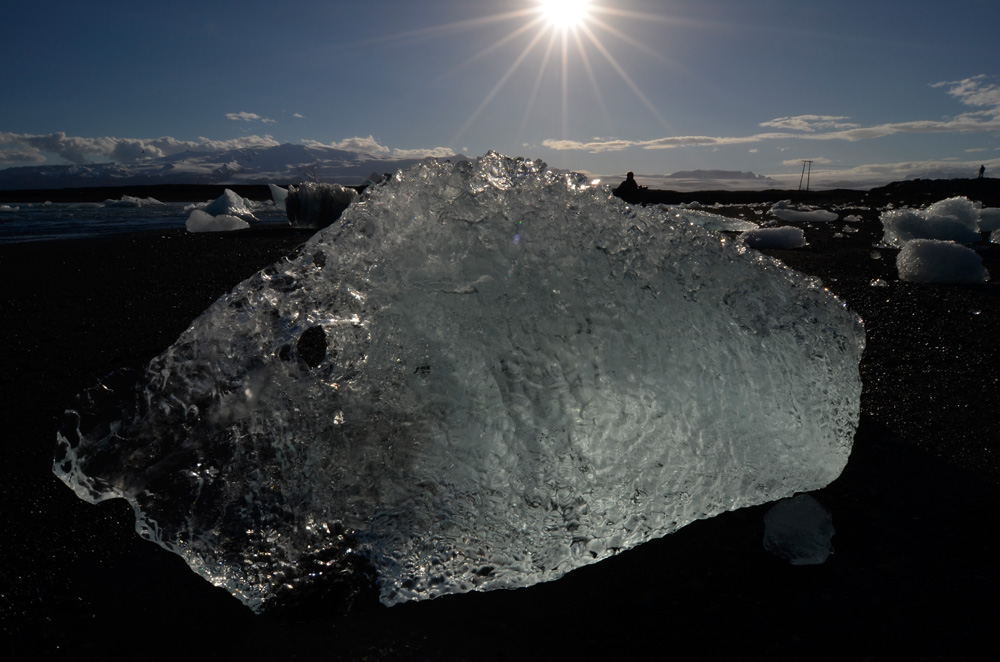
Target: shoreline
[[919, 191], [162, 192]]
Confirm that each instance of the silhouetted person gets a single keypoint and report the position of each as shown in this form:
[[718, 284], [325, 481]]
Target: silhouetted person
[[629, 189], [982, 171]]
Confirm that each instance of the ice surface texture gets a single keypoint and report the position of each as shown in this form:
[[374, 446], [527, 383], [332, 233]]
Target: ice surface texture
[[315, 205], [485, 376], [935, 261]]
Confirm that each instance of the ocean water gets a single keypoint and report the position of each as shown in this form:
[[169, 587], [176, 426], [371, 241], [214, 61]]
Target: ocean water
[[49, 221]]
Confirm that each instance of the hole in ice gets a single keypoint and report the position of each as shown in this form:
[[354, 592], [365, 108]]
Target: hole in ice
[[312, 346]]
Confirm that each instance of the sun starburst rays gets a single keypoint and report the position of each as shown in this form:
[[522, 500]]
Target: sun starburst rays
[[549, 38], [587, 24]]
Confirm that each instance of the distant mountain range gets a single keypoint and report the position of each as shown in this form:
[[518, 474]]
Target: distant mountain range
[[696, 180], [716, 174], [283, 164]]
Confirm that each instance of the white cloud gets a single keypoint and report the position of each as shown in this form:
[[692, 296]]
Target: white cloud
[[974, 91], [435, 152], [24, 148], [816, 159], [809, 123], [243, 142], [753, 150], [369, 145], [244, 116], [298, 116], [595, 147], [356, 144], [75, 149], [20, 156], [970, 91]]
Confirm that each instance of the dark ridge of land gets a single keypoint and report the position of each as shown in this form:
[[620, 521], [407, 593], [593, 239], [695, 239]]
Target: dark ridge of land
[[916, 191], [919, 192], [913, 576], [829, 197], [161, 192]]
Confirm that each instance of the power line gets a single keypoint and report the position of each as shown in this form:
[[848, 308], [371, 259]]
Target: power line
[[806, 172]]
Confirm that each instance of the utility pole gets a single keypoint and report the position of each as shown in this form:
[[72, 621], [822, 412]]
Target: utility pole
[[806, 173]]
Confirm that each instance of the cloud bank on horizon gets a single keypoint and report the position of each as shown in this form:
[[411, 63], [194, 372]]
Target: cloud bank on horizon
[[976, 92], [628, 85], [26, 149], [973, 91]]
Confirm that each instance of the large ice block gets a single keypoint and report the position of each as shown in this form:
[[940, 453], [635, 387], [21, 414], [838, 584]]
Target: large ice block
[[486, 375]]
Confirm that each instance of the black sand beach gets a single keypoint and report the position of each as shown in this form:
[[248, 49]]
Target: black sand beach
[[914, 575]]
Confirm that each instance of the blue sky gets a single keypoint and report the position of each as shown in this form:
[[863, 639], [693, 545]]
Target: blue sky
[[864, 89]]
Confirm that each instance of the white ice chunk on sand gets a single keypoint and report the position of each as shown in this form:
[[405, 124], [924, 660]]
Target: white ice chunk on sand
[[230, 203], [807, 216], [784, 237], [486, 375], [989, 219], [278, 194], [953, 219], [132, 201], [200, 221], [934, 261], [783, 211], [799, 530]]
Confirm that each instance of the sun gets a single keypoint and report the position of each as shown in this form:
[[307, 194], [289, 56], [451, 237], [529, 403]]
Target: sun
[[565, 14], [570, 36]]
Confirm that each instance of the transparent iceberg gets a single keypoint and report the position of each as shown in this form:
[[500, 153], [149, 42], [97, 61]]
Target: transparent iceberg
[[486, 375]]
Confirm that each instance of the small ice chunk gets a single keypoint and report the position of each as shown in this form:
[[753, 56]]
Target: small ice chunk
[[200, 221], [132, 201], [954, 219], [799, 530], [810, 216], [935, 261], [783, 237], [278, 194], [989, 219], [230, 204]]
